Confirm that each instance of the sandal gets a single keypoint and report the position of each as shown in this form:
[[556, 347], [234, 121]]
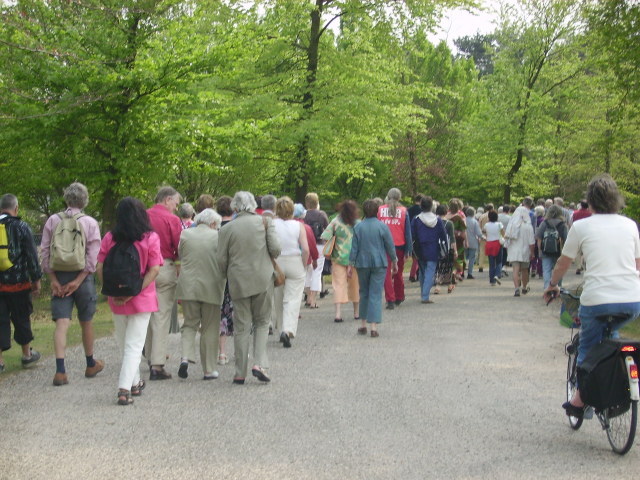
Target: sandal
[[308, 305], [124, 397], [337, 320], [451, 288], [362, 330], [222, 359], [374, 333], [136, 390], [436, 291]]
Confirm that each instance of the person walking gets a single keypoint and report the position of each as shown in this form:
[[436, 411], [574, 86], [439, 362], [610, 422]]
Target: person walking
[[246, 248], [520, 241], [168, 227], [71, 276], [493, 249], [371, 248], [345, 286], [474, 235], [428, 233], [318, 221], [293, 259], [131, 313], [550, 245], [19, 280], [394, 215], [201, 291], [413, 211]]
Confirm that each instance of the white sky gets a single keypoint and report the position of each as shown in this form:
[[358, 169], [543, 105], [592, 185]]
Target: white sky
[[459, 23]]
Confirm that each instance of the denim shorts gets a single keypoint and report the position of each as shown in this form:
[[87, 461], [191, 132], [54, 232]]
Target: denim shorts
[[592, 330], [84, 298]]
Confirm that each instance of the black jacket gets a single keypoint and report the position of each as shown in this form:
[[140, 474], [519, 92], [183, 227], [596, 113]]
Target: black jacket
[[22, 252]]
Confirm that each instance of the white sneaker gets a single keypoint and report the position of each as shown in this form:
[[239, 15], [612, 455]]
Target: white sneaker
[[211, 376]]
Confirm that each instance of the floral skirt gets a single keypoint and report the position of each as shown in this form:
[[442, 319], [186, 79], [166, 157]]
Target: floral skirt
[[226, 314]]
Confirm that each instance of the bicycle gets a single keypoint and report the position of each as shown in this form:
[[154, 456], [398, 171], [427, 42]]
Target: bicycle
[[619, 421]]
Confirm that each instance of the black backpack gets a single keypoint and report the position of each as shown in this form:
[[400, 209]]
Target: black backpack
[[317, 230], [551, 241], [121, 271]]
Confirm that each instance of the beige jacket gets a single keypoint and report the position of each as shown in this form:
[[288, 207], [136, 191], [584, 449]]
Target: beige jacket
[[243, 254], [200, 276]]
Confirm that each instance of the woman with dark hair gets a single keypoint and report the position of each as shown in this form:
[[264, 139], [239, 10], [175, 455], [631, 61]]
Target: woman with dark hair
[[223, 207], [611, 248], [446, 275], [131, 314], [345, 285], [554, 220], [493, 230], [372, 243]]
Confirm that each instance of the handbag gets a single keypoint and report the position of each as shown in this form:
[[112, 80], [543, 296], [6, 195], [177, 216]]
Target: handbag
[[327, 250], [278, 274]]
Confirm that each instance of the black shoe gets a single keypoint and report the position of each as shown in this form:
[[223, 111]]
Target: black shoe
[[572, 410], [398, 302], [238, 381], [161, 374], [391, 305], [285, 340], [33, 358], [270, 330], [260, 374], [182, 371], [324, 293], [337, 320], [413, 280], [470, 277], [481, 269]]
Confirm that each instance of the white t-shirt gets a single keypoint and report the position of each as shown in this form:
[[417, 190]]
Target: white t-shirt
[[493, 229], [289, 235], [610, 245]]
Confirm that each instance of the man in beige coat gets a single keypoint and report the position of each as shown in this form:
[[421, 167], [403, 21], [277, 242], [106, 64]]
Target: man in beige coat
[[245, 249], [201, 290]]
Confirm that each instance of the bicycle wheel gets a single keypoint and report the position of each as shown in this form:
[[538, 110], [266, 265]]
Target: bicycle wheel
[[621, 426], [572, 377]]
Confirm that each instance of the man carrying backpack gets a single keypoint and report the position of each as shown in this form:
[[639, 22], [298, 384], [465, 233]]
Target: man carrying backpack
[[551, 235], [19, 277], [69, 250]]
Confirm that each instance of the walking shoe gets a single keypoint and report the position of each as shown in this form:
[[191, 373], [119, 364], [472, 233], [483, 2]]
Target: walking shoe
[[182, 371], [480, 269], [413, 279], [211, 376], [33, 358], [285, 340], [398, 302], [391, 305], [60, 379], [470, 277], [161, 374], [498, 281], [526, 289], [91, 372], [517, 293]]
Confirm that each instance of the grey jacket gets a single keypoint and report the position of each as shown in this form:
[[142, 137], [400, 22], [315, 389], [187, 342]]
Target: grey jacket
[[200, 277], [244, 249]]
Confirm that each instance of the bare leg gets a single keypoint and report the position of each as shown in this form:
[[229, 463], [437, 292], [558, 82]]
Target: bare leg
[[356, 309], [60, 336], [87, 337], [311, 298], [516, 275], [338, 312]]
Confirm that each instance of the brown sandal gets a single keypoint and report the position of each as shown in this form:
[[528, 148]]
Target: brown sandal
[[124, 397], [374, 333], [362, 330]]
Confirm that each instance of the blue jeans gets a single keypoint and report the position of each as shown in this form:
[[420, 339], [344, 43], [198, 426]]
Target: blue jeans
[[471, 259], [547, 269], [592, 330], [495, 267], [427, 273], [371, 287]]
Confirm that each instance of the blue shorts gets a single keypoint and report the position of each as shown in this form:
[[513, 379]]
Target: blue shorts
[[84, 298], [592, 330]]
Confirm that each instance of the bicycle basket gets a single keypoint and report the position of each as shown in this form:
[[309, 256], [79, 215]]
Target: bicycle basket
[[570, 307]]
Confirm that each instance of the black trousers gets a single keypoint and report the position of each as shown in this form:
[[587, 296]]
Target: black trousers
[[15, 308]]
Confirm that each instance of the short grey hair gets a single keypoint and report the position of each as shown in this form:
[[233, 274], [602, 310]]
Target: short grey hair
[[554, 211], [186, 211], [208, 216], [539, 210], [244, 202], [165, 192], [8, 202], [269, 202], [76, 195]]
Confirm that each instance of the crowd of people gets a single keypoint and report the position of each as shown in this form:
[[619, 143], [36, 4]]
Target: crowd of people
[[245, 266]]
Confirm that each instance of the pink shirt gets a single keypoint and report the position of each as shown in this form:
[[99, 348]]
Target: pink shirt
[[91, 232], [168, 227], [149, 251]]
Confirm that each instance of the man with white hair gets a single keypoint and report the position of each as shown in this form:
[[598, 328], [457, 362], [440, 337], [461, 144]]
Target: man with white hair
[[72, 284], [247, 247]]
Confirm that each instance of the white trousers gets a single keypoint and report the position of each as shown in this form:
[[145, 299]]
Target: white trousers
[[313, 280], [288, 297], [130, 332]]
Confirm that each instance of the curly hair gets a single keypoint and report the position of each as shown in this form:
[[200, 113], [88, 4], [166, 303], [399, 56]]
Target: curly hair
[[132, 221]]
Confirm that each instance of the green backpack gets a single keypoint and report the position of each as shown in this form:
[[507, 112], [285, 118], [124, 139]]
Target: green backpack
[[5, 261], [67, 252]]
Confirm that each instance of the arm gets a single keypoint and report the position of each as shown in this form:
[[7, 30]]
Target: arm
[[562, 265], [304, 245]]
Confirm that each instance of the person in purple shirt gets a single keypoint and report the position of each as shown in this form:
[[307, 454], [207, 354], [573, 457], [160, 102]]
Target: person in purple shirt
[[75, 287]]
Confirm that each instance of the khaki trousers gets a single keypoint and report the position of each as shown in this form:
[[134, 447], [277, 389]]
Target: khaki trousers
[[206, 318], [256, 311], [155, 347], [481, 254]]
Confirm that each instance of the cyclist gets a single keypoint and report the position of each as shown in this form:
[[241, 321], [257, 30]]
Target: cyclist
[[611, 248]]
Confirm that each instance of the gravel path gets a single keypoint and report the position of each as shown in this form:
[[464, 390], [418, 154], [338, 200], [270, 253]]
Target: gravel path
[[469, 387]]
